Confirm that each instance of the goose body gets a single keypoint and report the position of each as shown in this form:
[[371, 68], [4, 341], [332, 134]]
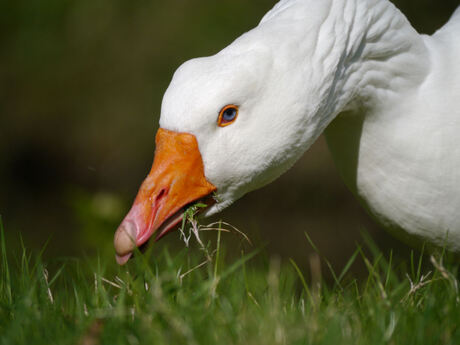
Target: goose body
[[402, 157], [386, 97]]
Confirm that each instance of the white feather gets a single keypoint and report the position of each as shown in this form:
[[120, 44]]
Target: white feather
[[389, 96]]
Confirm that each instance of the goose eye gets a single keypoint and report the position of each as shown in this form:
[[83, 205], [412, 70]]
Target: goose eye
[[227, 115]]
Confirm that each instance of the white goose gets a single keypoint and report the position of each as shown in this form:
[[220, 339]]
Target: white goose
[[387, 98]]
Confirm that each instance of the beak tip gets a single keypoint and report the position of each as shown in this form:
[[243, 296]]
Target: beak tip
[[125, 239], [121, 260]]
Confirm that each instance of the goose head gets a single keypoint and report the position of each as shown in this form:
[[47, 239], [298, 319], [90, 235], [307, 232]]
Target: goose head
[[230, 123]]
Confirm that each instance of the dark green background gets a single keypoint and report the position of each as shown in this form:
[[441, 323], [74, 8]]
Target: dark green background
[[80, 89]]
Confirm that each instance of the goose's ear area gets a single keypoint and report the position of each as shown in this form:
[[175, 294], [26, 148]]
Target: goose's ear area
[[176, 180]]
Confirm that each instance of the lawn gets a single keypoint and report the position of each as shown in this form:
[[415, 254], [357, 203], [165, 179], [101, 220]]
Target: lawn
[[200, 295]]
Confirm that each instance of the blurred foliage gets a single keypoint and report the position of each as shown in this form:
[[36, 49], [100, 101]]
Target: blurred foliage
[[97, 214], [80, 93]]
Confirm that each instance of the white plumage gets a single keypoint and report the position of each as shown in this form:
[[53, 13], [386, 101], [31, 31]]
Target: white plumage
[[387, 98]]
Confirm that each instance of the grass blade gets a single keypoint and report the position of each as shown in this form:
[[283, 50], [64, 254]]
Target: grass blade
[[302, 279], [6, 271], [348, 264]]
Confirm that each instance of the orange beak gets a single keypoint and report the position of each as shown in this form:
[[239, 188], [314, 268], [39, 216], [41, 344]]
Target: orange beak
[[175, 181]]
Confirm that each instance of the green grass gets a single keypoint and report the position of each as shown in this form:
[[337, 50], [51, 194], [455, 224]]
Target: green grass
[[159, 298]]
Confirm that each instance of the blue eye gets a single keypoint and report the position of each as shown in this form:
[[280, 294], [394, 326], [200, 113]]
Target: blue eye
[[227, 115]]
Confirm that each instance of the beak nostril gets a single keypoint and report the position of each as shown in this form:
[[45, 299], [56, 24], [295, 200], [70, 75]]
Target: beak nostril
[[161, 194]]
